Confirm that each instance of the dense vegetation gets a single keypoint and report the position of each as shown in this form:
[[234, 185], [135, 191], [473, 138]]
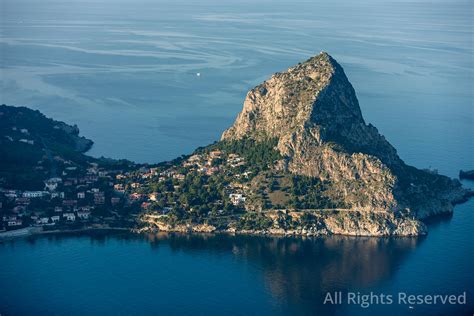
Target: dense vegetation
[[34, 147], [259, 155], [28, 143], [309, 193], [200, 194], [17, 165], [200, 198]]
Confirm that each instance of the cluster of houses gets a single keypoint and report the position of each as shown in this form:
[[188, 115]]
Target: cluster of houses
[[70, 198], [135, 185], [30, 208], [206, 163], [78, 192]]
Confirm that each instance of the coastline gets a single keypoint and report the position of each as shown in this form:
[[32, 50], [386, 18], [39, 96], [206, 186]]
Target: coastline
[[299, 223], [191, 229], [194, 230], [413, 228], [36, 233]]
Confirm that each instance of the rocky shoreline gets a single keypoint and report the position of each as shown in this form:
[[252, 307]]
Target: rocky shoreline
[[348, 223]]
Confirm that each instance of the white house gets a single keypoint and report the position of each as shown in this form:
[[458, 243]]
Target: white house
[[11, 194], [8, 218], [42, 220], [57, 195], [70, 217], [16, 222], [52, 183], [34, 194], [83, 214], [27, 141], [51, 186], [236, 198]]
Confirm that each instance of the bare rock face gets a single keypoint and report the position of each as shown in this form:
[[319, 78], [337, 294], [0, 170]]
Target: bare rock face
[[313, 111]]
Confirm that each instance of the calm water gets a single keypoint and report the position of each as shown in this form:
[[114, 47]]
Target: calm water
[[215, 275], [125, 72]]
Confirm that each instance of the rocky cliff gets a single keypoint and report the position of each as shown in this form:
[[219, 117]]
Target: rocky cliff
[[313, 112]]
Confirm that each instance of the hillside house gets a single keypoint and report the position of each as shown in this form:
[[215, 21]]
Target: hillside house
[[70, 217]]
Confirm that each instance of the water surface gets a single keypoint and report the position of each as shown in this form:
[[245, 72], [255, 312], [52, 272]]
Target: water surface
[[125, 72], [219, 274]]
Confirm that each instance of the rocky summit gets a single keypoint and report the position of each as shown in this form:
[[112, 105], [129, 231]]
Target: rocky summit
[[312, 114]]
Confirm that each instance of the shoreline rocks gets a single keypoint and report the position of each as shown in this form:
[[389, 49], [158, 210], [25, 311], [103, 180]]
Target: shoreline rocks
[[349, 223]]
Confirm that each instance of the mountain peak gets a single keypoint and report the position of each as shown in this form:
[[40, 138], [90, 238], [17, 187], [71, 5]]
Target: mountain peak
[[312, 113], [322, 57], [313, 93]]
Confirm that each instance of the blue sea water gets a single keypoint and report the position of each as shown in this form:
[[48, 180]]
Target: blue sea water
[[126, 73]]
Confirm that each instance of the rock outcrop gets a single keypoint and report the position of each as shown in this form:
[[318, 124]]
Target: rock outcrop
[[313, 112], [350, 223]]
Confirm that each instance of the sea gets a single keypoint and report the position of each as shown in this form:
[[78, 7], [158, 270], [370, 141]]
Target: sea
[[150, 80]]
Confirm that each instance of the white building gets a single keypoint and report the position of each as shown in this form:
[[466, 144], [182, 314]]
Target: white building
[[16, 222], [70, 217], [43, 220], [237, 198], [103, 173], [57, 195], [34, 194], [27, 141], [52, 183], [11, 194], [50, 186], [83, 214]]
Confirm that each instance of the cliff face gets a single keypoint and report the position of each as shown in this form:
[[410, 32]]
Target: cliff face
[[313, 112]]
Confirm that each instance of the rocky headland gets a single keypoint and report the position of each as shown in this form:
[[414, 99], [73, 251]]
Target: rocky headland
[[310, 113]]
